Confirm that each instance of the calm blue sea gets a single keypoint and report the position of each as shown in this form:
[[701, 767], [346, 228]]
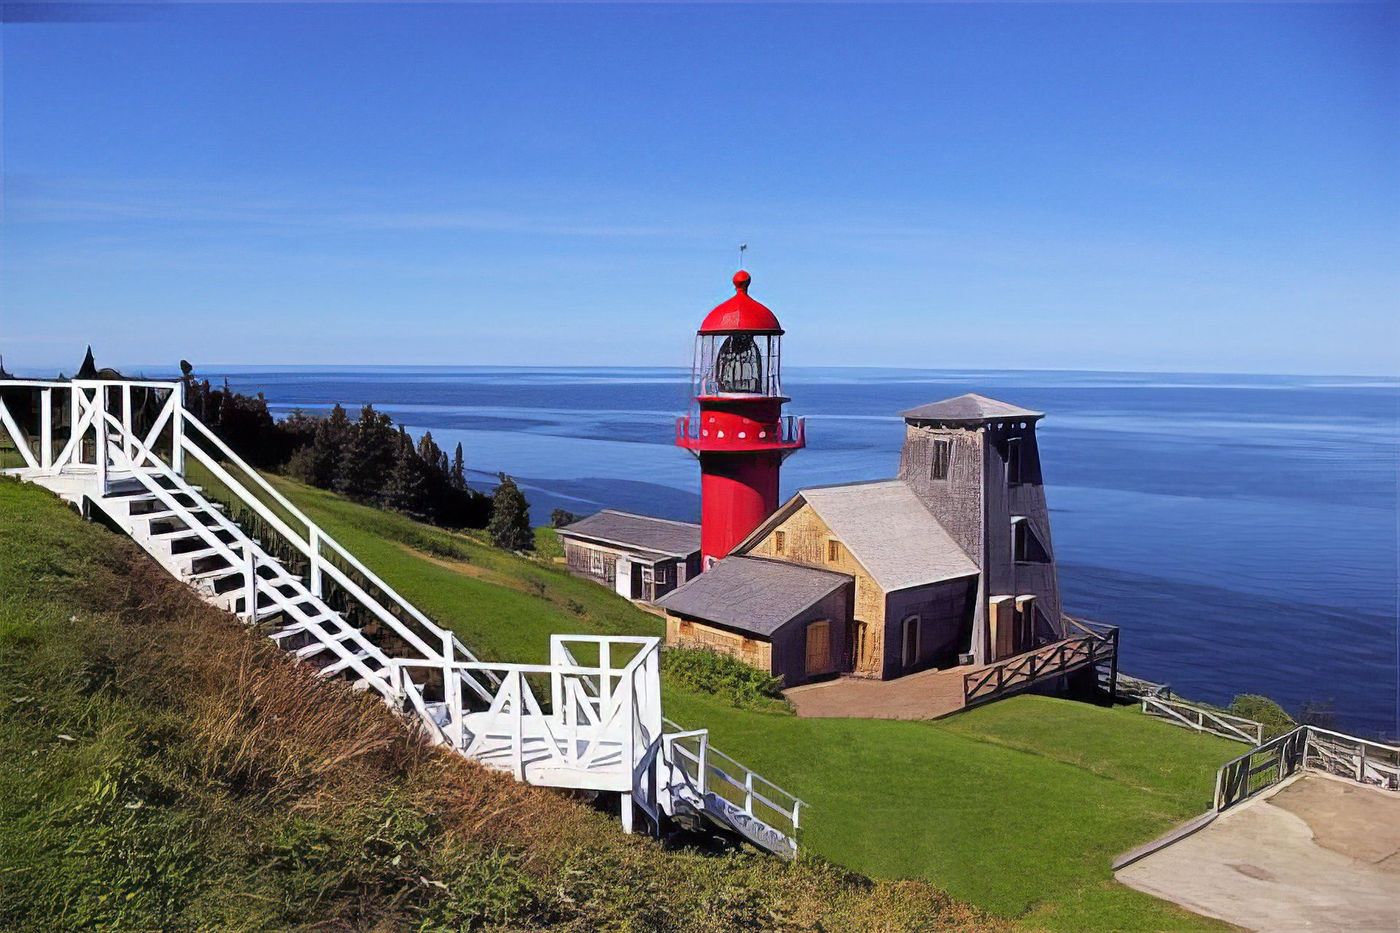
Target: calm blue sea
[[1241, 529]]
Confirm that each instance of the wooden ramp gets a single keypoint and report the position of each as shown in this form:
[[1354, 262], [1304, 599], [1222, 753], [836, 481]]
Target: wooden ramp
[[932, 694]]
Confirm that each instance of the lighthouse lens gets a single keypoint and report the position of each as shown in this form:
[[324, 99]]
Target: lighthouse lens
[[739, 367]]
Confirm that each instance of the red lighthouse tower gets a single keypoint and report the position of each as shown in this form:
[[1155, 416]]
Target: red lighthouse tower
[[740, 435]]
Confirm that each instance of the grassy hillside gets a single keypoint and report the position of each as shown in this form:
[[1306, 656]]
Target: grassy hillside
[[1018, 807], [162, 767]]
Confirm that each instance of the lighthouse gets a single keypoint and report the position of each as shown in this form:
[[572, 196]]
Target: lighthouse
[[736, 428]]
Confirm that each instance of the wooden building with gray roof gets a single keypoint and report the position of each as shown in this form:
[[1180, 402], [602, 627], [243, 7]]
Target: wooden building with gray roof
[[640, 557]]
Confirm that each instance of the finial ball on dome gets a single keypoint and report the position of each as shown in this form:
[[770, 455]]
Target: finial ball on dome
[[741, 280]]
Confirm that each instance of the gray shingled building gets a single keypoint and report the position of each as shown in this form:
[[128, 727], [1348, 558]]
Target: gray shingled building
[[949, 562], [641, 557]]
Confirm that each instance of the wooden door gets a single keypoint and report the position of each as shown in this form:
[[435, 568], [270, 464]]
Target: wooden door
[[858, 636], [818, 648]]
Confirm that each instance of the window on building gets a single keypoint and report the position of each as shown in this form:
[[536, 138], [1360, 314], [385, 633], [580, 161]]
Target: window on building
[[833, 551], [911, 641], [938, 463], [1013, 461], [1025, 546], [596, 563], [779, 542]]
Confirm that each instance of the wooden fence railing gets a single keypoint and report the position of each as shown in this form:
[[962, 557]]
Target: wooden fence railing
[[1189, 716], [1311, 748], [1053, 660]]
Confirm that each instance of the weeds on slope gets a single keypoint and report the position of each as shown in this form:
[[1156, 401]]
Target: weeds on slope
[[163, 768]]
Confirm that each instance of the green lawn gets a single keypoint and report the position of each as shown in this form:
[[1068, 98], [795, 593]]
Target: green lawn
[[1018, 807]]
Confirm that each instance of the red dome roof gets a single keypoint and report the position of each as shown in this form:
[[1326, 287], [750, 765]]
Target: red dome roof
[[741, 313]]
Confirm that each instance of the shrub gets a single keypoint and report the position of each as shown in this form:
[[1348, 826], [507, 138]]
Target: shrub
[[723, 675], [1261, 709], [510, 518]]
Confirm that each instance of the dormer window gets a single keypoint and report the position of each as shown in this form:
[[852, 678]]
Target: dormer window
[[939, 458]]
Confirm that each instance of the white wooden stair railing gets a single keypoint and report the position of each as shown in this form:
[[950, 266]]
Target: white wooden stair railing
[[127, 446]]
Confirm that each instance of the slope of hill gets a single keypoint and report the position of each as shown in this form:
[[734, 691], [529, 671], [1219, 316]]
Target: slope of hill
[[1018, 807], [162, 767]]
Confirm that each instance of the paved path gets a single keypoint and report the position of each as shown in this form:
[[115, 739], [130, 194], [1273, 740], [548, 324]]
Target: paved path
[[925, 695], [1319, 854]]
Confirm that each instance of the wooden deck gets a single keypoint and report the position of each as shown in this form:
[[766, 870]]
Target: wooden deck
[[935, 693], [925, 695]]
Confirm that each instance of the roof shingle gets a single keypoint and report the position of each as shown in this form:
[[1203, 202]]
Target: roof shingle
[[891, 532], [752, 594], [969, 407], [639, 533]]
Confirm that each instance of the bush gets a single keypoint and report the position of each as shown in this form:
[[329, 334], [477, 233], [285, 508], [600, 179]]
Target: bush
[[723, 675], [510, 518], [1261, 709]]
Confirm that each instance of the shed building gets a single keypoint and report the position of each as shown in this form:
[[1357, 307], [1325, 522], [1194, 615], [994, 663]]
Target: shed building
[[640, 557], [779, 617]]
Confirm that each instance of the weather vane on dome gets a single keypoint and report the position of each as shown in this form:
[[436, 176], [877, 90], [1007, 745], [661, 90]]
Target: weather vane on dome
[[742, 248]]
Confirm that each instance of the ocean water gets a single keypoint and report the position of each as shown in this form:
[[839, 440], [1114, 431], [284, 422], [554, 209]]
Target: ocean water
[[1242, 530]]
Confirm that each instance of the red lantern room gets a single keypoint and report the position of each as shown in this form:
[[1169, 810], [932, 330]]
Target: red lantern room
[[737, 430]]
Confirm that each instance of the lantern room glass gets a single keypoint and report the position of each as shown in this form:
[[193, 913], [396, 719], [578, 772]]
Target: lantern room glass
[[738, 364]]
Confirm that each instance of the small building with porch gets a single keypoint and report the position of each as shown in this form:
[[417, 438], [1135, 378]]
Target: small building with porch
[[640, 557]]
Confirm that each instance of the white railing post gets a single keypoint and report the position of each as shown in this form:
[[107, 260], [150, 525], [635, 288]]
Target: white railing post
[[250, 573], [748, 792], [100, 426], [45, 429], [76, 397], [703, 777], [604, 674], [177, 429], [517, 708], [126, 419], [314, 539]]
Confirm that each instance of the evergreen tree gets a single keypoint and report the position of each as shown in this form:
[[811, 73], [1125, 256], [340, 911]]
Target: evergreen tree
[[561, 517], [318, 463], [428, 450], [408, 487], [369, 456], [458, 473], [510, 518]]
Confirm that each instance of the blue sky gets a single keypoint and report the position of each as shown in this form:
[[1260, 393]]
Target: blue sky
[[1136, 186]]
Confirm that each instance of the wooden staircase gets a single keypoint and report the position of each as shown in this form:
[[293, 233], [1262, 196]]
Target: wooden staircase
[[599, 727]]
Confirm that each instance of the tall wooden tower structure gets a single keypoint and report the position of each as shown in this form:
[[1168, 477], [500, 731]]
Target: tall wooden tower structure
[[736, 428]]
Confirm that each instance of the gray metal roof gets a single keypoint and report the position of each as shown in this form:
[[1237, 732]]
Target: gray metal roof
[[891, 532], [639, 533], [969, 407], [751, 594]]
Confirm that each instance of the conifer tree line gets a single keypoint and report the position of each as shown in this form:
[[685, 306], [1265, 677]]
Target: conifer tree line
[[369, 460]]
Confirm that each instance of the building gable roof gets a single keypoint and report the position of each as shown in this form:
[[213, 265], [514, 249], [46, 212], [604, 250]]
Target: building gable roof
[[638, 533], [969, 407], [889, 530], [753, 594]]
